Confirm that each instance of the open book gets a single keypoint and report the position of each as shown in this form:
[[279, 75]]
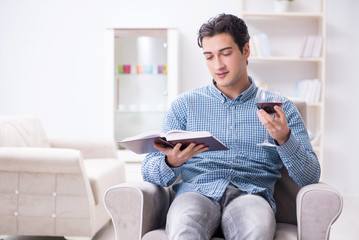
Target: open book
[[144, 142]]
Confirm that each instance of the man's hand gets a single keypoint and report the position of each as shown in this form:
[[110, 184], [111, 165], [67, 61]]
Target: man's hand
[[277, 126], [175, 157]]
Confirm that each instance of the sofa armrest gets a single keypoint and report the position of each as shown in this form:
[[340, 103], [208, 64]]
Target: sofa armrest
[[137, 208], [45, 160], [90, 148], [318, 207]]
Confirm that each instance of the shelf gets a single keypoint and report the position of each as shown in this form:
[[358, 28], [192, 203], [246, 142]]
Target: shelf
[[285, 59], [283, 15], [315, 104], [140, 74], [140, 111], [311, 104]]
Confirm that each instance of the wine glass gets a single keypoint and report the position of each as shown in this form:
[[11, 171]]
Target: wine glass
[[266, 100]]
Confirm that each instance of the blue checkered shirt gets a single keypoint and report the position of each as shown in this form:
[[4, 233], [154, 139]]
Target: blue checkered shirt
[[251, 168]]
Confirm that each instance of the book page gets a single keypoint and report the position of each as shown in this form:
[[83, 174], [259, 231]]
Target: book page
[[150, 134], [180, 134]]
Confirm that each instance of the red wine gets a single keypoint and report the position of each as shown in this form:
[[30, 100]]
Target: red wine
[[268, 106]]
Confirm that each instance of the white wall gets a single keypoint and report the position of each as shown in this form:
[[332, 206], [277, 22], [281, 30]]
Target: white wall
[[52, 65], [52, 54], [341, 118]]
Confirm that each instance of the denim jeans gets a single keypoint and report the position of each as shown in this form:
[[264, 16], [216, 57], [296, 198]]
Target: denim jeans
[[193, 216]]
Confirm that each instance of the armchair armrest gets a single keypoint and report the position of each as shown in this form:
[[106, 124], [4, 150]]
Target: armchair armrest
[[46, 160], [137, 208], [90, 148], [318, 206]]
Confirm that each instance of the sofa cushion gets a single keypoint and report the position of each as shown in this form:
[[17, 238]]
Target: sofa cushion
[[286, 231], [283, 232], [160, 234], [22, 131], [285, 195], [103, 174]]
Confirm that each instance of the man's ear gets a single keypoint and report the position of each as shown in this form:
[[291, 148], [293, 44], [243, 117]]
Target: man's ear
[[246, 50]]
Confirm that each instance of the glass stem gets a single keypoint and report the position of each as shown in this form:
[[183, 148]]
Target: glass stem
[[266, 140]]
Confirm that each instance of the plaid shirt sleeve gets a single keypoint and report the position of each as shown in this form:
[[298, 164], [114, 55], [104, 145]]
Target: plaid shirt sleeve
[[297, 154], [154, 168]]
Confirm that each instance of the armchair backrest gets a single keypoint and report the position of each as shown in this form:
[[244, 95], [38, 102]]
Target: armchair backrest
[[285, 190], [22, 131]]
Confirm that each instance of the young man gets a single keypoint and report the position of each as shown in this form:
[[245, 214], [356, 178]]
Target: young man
[[231, 190]]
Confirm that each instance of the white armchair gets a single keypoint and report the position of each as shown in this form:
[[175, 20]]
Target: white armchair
[[53, 187], [138, 210]]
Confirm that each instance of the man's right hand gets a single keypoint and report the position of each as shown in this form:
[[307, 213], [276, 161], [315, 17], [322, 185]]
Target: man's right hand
[[175, 157]]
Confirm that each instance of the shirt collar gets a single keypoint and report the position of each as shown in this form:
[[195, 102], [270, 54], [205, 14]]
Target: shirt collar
[[244, 96]]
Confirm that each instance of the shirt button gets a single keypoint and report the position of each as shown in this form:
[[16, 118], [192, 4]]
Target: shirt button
[[230, 127], [229, 177]]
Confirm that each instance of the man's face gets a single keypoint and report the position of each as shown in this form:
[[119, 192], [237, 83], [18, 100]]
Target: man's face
[[225, 61]]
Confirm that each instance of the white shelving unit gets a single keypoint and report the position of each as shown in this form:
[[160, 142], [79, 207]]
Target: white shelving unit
[[142, 81], [284, 67], [145, 79]]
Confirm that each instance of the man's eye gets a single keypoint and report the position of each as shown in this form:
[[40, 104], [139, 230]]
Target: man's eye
[[227, 54], [209, 57]]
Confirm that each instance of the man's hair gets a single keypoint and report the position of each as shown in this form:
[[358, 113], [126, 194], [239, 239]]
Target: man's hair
[[225, 23]]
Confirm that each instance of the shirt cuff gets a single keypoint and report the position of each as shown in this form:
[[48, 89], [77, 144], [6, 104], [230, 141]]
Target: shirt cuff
[[290, 147], [167, 170]]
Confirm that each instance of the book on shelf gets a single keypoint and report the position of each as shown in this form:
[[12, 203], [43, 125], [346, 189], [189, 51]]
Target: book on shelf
[[259, 45], [144, 143], [311, 46], [308, 90]]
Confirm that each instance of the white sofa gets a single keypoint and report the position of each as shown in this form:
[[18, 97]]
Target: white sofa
[[53, 187]]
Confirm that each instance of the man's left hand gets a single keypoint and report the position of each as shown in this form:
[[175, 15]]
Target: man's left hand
[[277, 126]]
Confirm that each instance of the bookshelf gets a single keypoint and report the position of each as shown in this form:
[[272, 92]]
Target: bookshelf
[[285, 66], [145, 78]]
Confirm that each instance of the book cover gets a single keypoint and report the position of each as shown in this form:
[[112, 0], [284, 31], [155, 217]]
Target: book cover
[[309, 90], [311, 46], [317, 46], [256, 46], [143, 143], [317, 91], [253, 50], [302, 46], [264, 45], [310, 40]]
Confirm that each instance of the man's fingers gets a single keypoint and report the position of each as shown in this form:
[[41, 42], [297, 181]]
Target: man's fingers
[[279, 110], [176, 156], [194, 150], [265, 118], [199, 148]]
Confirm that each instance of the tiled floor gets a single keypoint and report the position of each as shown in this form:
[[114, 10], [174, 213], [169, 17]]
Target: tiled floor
[[345, 228]]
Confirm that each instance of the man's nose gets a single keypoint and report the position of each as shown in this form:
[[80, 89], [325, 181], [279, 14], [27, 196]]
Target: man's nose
[[219, 64]]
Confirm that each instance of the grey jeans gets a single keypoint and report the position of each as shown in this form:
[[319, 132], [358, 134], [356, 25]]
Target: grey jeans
[[193, 216]]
